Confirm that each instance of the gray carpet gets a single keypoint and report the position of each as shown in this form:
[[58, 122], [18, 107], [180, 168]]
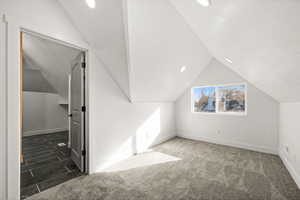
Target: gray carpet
[[205, 172]]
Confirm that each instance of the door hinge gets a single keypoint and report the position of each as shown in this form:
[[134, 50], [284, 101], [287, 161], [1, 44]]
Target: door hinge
[[83, 65], [83, 108], [83, 152]]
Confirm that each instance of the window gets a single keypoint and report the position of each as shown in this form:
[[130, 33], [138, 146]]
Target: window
[[226, 99]]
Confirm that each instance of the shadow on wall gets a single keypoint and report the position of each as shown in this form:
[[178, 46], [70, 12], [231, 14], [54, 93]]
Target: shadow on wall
[[145, 136]]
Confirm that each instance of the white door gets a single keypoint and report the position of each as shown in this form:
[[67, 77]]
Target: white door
[[78, 111]]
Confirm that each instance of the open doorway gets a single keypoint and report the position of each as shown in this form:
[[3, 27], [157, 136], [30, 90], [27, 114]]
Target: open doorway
[[53, 113]]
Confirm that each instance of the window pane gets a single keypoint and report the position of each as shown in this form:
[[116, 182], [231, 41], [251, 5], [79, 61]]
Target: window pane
[[231, 98], [204, 99]]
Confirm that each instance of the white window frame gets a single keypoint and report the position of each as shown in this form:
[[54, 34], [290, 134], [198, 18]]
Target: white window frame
[[217, 101]]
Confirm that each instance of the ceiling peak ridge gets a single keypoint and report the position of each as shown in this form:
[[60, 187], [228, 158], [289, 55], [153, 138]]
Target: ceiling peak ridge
[[127, 47], [66, 14], [112, 78], [190, 27]]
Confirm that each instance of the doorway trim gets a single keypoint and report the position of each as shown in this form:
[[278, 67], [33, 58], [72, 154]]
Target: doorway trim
[[46, 37], [86, 95], [13, 27], [3, 107]]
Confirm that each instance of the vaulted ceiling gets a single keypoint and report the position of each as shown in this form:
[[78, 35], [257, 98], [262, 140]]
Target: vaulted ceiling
[[145, 43], [262, 38], [160, 44], [103, 28]]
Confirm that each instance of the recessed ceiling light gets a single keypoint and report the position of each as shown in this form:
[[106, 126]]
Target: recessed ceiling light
[[228, 60], [183, 68], [91, 3], [204, 3]]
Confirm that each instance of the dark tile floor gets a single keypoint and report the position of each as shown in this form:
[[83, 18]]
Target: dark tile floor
[[45, 163]]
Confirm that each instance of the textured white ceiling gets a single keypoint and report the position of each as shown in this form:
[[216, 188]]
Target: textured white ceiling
[[262, 38], [51, 59]]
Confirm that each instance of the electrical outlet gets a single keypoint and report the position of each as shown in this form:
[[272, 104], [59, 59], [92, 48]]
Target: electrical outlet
[[218, 132]]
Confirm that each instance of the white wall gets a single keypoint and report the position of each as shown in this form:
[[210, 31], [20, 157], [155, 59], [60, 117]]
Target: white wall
[[258, 130], [34, 81], [289, 137], [42, 114], [112, 120], [3, 106]]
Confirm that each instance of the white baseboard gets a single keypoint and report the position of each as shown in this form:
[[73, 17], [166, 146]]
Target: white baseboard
[[41, 132], [165, 137], [229, 143], [290, 168], [104, 164]]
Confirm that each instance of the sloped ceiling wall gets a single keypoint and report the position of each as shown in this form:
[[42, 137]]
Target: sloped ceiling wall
[[103, 28], [34, 81], [143, 43], [146, 42], [160, 43], [260, 37], [50, 60]]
